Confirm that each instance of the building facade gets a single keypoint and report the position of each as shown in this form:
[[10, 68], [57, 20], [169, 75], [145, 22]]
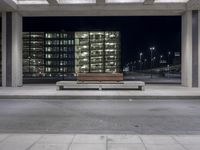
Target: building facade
[[97, 51], [53, 56]]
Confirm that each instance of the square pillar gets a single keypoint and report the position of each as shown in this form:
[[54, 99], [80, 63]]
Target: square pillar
[[191, 49], [11, 49], [186, 55], [198, 48]]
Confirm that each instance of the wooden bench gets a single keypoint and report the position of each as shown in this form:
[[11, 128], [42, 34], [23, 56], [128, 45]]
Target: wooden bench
[[100, 77], [76, 85]]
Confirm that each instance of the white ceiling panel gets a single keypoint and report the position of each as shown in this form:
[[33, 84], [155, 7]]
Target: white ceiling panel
[[76, 1], [29, 2], [171, 1], [124, 1]]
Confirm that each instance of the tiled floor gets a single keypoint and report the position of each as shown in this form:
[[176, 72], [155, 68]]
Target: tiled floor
[[98, 142]]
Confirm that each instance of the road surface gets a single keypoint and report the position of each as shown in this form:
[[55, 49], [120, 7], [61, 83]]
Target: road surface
[[100, 116]]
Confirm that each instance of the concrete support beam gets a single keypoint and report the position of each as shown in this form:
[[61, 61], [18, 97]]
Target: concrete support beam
[[7, 5], [53, 2], [193, 5], [11, 49], [198, 48], [138, 9], [186, 65], [149, 2]]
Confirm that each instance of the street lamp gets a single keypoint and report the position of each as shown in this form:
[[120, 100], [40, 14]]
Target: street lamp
[[151, 50], [161, 56], [145, 61], [169, 53], [141, 61]]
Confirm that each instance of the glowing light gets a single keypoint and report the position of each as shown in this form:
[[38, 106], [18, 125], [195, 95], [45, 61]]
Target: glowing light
[[84, 54]]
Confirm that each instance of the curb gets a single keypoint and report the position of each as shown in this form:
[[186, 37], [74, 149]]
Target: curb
[[89, 97]]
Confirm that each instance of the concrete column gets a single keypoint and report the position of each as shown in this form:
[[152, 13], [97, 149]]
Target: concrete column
[[191, 49], [195, 46], [11, 49], [186, 64], [199, 48]]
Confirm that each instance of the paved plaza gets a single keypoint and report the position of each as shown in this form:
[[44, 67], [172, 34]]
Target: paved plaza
[[48, 91], [98, 142]]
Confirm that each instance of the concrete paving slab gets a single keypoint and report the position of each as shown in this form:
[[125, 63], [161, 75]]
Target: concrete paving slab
[[157, 139], [25, 138], [3, 137], [49, 147], [15, 146], [92, 139], [44, 91], [128, 139], [88, 147], [19, 142], [165, 147], [56, 139], [125, 147], [192, 147], [188, 139], [98, 142]]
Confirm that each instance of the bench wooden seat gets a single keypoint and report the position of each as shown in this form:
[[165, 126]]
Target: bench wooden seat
[[100, 82], [99, 77], [128, 85]]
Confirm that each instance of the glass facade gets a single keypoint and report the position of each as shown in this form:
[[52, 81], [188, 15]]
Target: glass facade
[[48, 55], [58, 55], [97, 51]]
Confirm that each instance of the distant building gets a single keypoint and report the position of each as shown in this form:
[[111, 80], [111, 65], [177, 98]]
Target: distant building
[[59, 55]]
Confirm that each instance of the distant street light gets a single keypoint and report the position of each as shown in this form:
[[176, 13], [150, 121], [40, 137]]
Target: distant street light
[[168, 67], [140, 61], [169, 53], [153, 60], [161, 56], [145, 61], [151, 50]]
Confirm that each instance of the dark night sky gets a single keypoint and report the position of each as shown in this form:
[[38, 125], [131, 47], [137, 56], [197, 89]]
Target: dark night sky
[[137, 33]]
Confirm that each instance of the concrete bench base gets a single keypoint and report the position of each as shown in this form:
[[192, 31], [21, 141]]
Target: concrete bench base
[[104, 85]]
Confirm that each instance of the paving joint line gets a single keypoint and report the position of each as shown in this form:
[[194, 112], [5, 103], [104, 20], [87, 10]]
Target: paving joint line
[[178, 142], [6, 138], [35, 142], [107, 142], [142, 142], [70, 144]]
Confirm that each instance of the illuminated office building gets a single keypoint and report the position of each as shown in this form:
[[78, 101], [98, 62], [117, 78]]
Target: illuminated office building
[[48, 55], [58, 55], [97, 51]]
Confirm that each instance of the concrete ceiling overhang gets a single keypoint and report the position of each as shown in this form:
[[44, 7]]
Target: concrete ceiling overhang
[[100, 7], [7, 5]]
